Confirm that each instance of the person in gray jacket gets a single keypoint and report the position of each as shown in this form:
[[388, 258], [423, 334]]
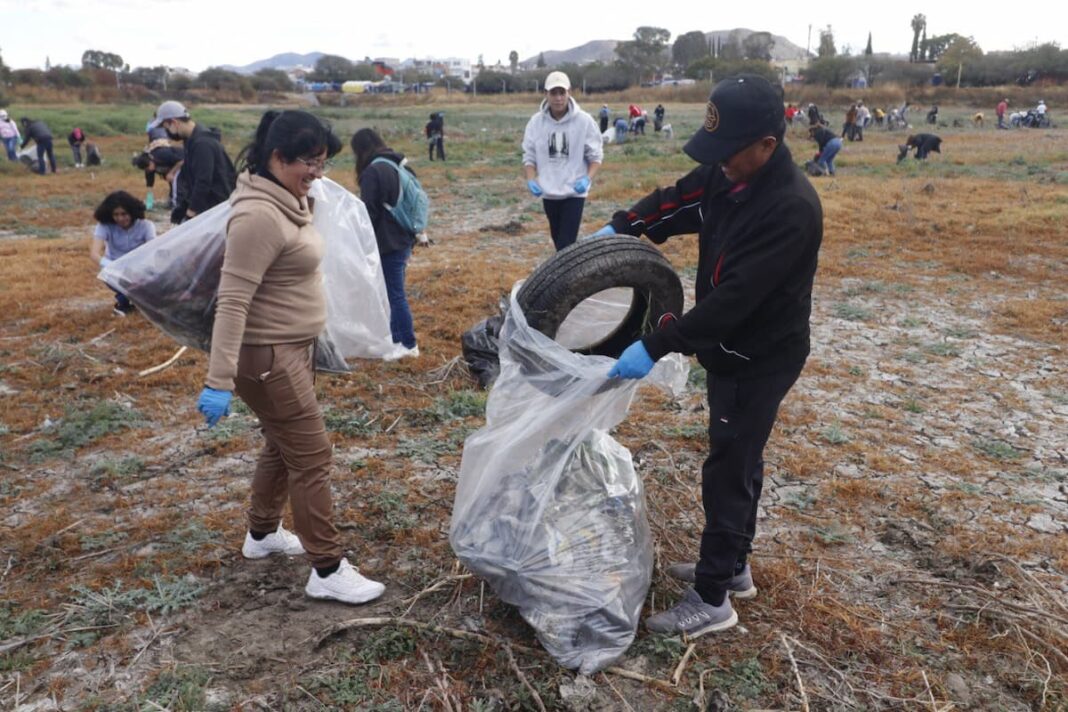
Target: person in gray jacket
[[562, 153]]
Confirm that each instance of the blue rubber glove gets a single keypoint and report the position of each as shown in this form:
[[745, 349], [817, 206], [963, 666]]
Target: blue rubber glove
[[604, 231], [214, 404], [535, 189], [104, 262], [635, 362], [582, 185]]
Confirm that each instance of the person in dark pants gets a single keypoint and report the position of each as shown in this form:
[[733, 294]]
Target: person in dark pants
[[829, 145], [76, 139], [759, 224], [207, 177], [603, 116], [37, 131], [435, 135], [562, 152], [658, 117], [924, 143], [379, 187], [164, 160]]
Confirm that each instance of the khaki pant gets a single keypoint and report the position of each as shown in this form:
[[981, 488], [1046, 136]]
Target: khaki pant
[[278, 384]]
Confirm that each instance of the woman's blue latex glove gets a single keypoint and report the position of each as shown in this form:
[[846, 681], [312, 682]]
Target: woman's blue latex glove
[[635, 362], [104, 262], [214, 404], [535, 189], [582, 185], [604, 231]]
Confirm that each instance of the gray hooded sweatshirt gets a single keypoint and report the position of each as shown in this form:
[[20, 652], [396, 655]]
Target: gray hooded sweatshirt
[[560, 150]]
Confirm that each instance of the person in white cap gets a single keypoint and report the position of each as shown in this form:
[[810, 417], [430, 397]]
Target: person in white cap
[[9, 135], [207, 177], [562, 153]]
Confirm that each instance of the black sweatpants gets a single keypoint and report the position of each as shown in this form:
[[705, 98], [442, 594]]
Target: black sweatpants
[[565, 217], [741, 414]]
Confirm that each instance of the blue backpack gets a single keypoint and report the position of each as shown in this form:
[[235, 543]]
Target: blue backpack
[[413, 206]]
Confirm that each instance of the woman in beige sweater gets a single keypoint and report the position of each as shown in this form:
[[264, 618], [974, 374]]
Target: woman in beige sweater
[[270, 309]]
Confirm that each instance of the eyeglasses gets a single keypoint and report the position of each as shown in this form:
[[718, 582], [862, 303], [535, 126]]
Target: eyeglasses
[[320, 166]]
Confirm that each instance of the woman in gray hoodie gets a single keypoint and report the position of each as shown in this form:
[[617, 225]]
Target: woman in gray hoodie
[[562, 153]]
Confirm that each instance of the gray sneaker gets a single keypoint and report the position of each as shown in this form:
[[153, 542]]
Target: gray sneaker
[[692, 617], [740, 585]]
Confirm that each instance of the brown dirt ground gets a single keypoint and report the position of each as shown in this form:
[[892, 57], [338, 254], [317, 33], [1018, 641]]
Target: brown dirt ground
[[913, 545]]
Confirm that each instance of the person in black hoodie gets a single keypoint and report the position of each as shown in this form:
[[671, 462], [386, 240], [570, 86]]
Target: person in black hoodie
[[435, 135], [37, 131], [207, 177], [759, 224], [380, 187]]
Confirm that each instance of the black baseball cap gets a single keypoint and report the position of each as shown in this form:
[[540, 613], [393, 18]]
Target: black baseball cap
[[742, 109]]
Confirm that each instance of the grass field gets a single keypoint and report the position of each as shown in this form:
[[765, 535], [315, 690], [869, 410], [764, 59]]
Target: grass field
[[913, 543]]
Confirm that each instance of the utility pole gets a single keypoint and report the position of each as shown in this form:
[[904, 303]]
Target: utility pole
[[808, 42], [960, 68]]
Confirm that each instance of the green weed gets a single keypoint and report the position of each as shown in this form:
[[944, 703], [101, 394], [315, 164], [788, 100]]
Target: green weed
[[851, 312], [183, 688], [834, 434], [910, 322], [79, 427], [424, 449], [387, 644], [997, 449], [912, 405], [941, 348], [698, 378], [23, 623], [395, 510], [457, 405], [351, 423]]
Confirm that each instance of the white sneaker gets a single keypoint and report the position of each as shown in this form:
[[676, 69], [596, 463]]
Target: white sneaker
[[345, 585], [277, 542]]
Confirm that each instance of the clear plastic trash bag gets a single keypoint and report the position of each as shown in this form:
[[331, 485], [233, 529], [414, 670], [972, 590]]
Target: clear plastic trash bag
[[174, 279], [549, 509]]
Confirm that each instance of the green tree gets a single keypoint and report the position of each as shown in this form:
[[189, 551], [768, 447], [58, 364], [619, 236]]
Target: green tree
[[833, 71], [95, 59], [5, 71], [827, 48], [919, 24], [332, 68], [646, 53], [758, 45], [959, 52], [690, 47], [715, 68], [541, 60], [271, 80], [732, 48], [867, 50], [513, 60]]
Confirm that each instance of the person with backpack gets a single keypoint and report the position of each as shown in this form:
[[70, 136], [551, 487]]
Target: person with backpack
[[396, 204], [207, 176], [76, 139]]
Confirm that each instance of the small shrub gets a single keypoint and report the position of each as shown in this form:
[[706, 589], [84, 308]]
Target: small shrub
[[182, 688], [81, 427], [834, 434], [851, 312], [997, 449], [387, 644]]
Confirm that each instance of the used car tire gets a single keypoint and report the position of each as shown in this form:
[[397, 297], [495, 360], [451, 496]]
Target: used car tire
[[594, 265]]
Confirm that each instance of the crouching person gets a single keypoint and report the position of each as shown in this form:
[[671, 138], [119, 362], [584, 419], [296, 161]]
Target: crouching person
[[120, 228], [270, 309]]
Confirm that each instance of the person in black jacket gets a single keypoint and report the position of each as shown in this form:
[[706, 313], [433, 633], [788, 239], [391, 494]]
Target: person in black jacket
[[759, 224], [435, 135], [37, 131], [379, 188], [207, 177], [924, 143], [829, 145]]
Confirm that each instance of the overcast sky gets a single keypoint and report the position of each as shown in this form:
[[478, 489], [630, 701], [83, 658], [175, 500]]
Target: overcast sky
[[200, 33]]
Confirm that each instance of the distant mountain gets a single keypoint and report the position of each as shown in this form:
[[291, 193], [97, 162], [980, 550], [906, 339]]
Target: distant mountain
[[605, 50], [593, 51], [283, 61]]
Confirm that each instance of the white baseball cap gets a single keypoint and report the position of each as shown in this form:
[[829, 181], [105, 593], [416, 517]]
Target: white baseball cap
[[3, 115], [557, 80]]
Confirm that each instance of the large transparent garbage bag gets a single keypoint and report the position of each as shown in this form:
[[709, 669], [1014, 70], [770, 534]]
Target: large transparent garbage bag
[[549, 509], [174, 279]]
